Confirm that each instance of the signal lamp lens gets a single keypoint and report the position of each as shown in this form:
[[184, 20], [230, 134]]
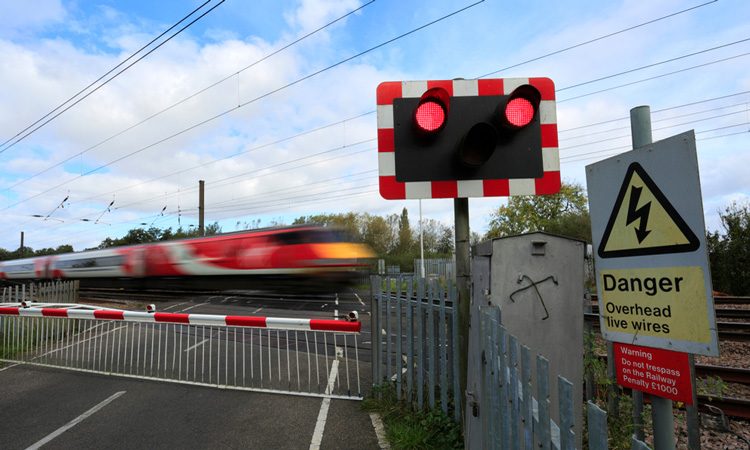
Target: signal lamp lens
[[478, 145], [430, 115], [519, 112]]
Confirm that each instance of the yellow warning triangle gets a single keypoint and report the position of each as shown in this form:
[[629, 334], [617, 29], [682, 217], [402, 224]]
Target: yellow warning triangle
[[644, 222]]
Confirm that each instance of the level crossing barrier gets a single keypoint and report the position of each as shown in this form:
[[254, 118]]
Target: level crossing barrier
[[308, 357]]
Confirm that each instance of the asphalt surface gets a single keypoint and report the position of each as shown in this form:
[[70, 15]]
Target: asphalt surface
[[64, 409]]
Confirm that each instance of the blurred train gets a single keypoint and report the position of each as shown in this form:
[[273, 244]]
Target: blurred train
[[265, 258]]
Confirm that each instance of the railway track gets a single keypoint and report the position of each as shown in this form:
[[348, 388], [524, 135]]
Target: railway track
[[151, 295]]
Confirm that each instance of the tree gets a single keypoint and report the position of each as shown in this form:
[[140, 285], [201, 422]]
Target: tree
[[405, 238], [565, 213], [377, 234], [729, 253]]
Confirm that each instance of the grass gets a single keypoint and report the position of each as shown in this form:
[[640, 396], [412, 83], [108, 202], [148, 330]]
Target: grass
[[407, 428]]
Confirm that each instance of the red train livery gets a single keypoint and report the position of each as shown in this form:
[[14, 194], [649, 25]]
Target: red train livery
[[290, 253]]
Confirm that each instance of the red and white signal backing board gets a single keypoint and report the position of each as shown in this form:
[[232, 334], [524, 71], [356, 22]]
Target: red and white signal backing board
[[392, 189], [663, 373]]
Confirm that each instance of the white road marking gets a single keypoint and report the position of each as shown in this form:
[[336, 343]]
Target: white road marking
[[173, 306], [194, 306], [257, 310], [12, 365], [377, 423], [320, 424], [359, 299], [196, 345], [75, 421]]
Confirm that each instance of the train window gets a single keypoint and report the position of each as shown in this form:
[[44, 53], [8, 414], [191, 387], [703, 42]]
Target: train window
[[102, 261], [15, 268], [310, 236]]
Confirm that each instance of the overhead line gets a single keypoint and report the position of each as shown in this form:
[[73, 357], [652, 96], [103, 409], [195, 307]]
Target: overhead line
[[655, 77], [609, 130], [203, 122], [677, 58], [120, 133], [107, 73], [580, 44], [111, 78]]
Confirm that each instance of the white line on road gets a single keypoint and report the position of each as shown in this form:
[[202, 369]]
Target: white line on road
[[320, 424], [377, 423], [75, 421], [359, 299], [172, 306], [194, 306], [257, 310], [196, 345]]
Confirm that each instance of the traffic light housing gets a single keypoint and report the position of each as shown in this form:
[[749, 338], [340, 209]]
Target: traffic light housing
[[467, 138]]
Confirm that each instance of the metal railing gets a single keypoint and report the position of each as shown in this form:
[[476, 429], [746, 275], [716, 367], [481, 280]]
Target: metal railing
[[514, 415], [417, 354], [284, 355], [50, 291], [444, 268], [417, 349]]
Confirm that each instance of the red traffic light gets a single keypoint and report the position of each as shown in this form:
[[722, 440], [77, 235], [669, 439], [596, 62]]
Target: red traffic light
[[431, 113], [430, 116], [521, 107], [519, 112]]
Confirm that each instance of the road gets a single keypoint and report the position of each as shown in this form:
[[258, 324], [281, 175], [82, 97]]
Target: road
[[62, 409]]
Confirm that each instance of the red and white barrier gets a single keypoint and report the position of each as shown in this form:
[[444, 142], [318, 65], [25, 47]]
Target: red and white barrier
[[278, 323]]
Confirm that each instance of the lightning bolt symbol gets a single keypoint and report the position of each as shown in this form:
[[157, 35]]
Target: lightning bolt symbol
[[638, 213]]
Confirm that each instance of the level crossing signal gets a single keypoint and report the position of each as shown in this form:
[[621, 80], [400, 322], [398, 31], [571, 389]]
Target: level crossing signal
[[467, 138]]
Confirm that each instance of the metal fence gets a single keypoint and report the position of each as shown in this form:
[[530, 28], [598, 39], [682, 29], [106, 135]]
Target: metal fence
[[437, 268], [418, 337], [298, 356], [417, 354], [49, 292], [512, 384]]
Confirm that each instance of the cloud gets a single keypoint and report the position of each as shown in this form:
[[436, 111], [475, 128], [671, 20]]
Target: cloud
[[21, 20]]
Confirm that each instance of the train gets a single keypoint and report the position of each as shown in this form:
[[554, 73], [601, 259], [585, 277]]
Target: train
[[271, 258]]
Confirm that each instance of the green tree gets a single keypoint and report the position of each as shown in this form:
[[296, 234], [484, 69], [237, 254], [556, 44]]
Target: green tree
[[729, 252], [377, 234], [405, 238], [565, 213], [349, 222]]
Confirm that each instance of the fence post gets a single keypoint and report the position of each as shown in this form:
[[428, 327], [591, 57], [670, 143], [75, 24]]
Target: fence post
[[456, 354], [410, 344], [542, 380], [375, 305], [513, 391], [421, 341], [443, 354], [399, 344], [597, 425], [528, 413], [567, 417], [431, 344]]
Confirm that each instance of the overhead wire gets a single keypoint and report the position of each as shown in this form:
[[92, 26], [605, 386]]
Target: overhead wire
[[537, 58], [224, 113], [106, 73], [29, 133], [590, 41], [195, 94]]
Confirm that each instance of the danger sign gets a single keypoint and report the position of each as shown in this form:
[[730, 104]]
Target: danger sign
[[659, 372], [653, 278]]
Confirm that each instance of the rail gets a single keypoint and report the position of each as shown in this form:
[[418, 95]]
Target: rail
[[311, 357]]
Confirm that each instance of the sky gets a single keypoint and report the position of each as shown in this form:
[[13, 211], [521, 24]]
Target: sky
[[272, 104]]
